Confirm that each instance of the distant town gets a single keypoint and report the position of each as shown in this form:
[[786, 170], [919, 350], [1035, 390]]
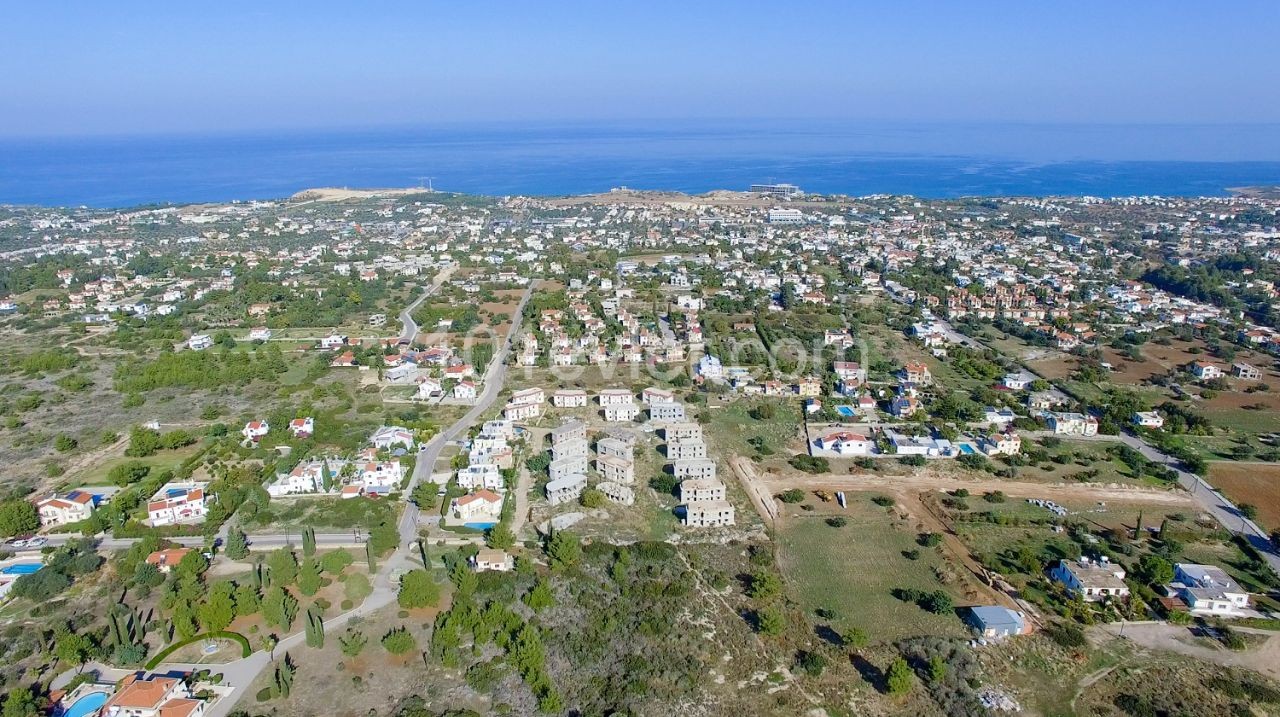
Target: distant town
[[411, 452]]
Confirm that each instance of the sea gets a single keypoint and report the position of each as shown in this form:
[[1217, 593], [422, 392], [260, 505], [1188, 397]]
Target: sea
[[928, 160]]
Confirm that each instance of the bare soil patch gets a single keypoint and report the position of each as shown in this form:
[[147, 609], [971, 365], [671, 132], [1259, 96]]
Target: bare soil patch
[[1255, 483]]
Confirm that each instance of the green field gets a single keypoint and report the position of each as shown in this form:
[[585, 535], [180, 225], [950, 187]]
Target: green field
[[854, 569], [293, 514], [97, 475]]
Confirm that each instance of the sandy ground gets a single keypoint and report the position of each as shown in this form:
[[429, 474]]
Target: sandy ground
[[339, 194]]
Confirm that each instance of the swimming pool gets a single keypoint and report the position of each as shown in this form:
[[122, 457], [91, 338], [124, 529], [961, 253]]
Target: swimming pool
[[966, 449], [846, 411], [86, 705], [479, 526], [21, 568]]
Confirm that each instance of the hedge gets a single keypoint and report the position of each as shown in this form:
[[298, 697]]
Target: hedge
[[245, 650]]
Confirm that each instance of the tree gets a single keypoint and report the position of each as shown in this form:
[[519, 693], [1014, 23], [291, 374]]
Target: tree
[[370, 559], [219, 608], [811, 663], [426, 495], [1248, 510], [540, 595], [353, 642], [283, 678], [335, 561], [417, 589], [74, 648], [591, 498], [308, 541], [398, 641], [191, 566], [500, 537], [769, 621], [854, 637], [247, 600], [309, 577], [283, 565], [899, 678], [564, 549], [237, 544], [279, 607], [937, 602], [1154, 570], [315, 627], [17, 516], [937, 668], [20, 702], [764, 584]]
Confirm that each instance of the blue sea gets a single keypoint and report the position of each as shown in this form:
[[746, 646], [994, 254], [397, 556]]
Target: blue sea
[[922, 159]]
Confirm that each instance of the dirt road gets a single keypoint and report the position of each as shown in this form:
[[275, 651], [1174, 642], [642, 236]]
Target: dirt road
[[1062, 492], [1162, 636]]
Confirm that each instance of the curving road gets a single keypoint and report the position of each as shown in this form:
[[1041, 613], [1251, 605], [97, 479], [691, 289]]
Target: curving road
[[240, 674]]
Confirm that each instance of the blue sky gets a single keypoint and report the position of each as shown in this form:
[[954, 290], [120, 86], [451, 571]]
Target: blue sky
[[126, 67]]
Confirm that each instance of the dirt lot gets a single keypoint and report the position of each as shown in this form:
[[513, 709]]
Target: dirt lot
[[1255, 483]]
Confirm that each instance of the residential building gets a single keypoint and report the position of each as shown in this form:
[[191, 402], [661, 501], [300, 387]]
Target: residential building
[[682, 449], [566, 489], [388, 438], [1246, 372], [618, 413], [1001, 444], [1147, 419], [255, 430], [480, 506], [617, 492], [652, 395], [850, 373], [666, 412], [152, 696], [1072, 424], [165, 560], [177, 504], [533, 395], [1205, 371], [917, 372], [302, 427], [708, 514], [1092, 580], [569, 398], [696, 490], [71, 508], [621, 470], [465, 390], [496, 560], [844, 443], [521, 411], [695, 468], [1208, 590], [567, 466], [199, 342], [680, 431], [615, 397], [485, 475], [994, 622], [616, 447]]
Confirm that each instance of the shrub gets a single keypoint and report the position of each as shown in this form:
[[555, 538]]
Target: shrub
[[794, 495], [838, 521], [883, 501], [398, 641]]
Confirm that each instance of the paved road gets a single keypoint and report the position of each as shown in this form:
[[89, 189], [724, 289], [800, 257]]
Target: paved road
[[409, 327], [1204, 495], [241, 673]]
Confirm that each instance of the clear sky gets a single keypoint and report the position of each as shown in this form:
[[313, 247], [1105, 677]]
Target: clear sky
[[94, 67]]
